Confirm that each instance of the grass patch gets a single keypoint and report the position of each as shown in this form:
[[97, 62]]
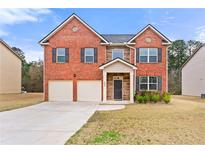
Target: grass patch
[[106, 137], [180, 122], [15, 101]]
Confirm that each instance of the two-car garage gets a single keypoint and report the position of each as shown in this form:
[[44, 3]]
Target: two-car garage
[[62, 90]]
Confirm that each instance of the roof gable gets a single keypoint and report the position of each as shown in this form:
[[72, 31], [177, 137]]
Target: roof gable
[[167, 41], [192, 56], [45, 39], [117, 60], [10, 49]]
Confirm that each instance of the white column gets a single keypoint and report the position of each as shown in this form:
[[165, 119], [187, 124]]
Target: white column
[[131, 87], [104, 86]]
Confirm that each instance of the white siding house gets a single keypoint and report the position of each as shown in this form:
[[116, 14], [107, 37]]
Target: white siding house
[[193, 74]]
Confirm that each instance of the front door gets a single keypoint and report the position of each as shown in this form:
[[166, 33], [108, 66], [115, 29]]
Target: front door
[[118, 89]]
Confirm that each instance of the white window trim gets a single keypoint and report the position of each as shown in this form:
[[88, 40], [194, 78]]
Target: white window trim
[[148, 83], [60, 55], [122, 50], [89, 55], [148, 55]]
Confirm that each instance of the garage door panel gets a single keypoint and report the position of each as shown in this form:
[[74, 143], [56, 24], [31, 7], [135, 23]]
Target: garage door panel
[[89, 90], [60, 90]]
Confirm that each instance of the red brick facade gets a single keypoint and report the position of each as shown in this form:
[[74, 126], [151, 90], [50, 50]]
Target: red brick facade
[[66, 38], [84, 37], [152, 69]]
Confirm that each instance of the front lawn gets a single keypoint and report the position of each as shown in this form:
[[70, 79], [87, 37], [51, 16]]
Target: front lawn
[[14, 101], [180, 122]]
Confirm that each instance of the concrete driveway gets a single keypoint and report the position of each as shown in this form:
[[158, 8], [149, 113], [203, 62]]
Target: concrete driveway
[[45, 123]]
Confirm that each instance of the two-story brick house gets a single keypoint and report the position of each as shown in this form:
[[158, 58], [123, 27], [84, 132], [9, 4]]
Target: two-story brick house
[[82, 65]]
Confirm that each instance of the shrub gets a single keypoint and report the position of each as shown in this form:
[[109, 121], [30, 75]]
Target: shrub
[[166, 97], [139, 99], [152, 96], [156, 98], [145, 99]]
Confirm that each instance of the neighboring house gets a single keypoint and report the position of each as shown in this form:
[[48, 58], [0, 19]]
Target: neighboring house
[[193, 74], [10, 70], [83, 65]]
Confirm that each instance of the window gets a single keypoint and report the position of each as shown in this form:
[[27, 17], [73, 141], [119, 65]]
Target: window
[[143, 83], [153, 53], [143, 53], [89, 55], [148, 83], [148, 55], [60, 55], [117, 53]]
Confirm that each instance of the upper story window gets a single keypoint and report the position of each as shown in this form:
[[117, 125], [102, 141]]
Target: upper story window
[[148, 83], [89, 55], [61, 55], [153, 54], [117, 53], [148, 55]]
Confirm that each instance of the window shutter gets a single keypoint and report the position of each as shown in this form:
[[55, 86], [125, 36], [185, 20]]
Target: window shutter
[[67, 55], [137, 55], [159, 83], [159, 54], [137, 84], [54, 55], [95, 55], [82, 54]]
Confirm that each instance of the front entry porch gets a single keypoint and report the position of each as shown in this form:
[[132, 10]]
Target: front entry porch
[[118, 82], [118, 86]]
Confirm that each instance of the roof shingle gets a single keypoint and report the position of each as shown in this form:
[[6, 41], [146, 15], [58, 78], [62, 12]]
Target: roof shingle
[[118, 38]]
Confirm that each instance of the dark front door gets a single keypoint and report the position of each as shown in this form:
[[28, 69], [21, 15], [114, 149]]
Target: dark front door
[[118, 89]]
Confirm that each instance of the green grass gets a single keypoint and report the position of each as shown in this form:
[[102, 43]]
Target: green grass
[[106, 137]]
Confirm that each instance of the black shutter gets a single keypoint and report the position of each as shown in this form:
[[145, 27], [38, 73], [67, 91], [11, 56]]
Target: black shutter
[[82, 54], [137, 84], [95, 55], [159, 54], [159, 83], [137, 55], [67, 55], [54, 55]]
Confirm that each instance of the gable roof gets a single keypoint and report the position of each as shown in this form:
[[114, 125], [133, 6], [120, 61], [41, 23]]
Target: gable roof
[[155, 30], [45, 39], [106, 38], [117, 60], [118, 38], [203, 45], [10, 49]]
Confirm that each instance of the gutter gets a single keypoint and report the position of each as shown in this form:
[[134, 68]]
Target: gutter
[[117, 44]]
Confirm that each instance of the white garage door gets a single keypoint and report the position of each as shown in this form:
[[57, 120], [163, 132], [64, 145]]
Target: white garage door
[[60, 90], [89, 90]]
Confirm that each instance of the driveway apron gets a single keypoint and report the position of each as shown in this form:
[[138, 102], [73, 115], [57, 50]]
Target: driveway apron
[[45, 123]]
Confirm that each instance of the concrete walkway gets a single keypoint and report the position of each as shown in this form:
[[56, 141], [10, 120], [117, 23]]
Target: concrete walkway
[[45, 123], [110, 107]]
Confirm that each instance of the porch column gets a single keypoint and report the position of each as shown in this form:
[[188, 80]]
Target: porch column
[[104, 86], [131, 87]]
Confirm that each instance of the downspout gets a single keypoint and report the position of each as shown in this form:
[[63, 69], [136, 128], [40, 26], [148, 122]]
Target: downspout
[[134, 64], [133, 49], [167, 72]]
